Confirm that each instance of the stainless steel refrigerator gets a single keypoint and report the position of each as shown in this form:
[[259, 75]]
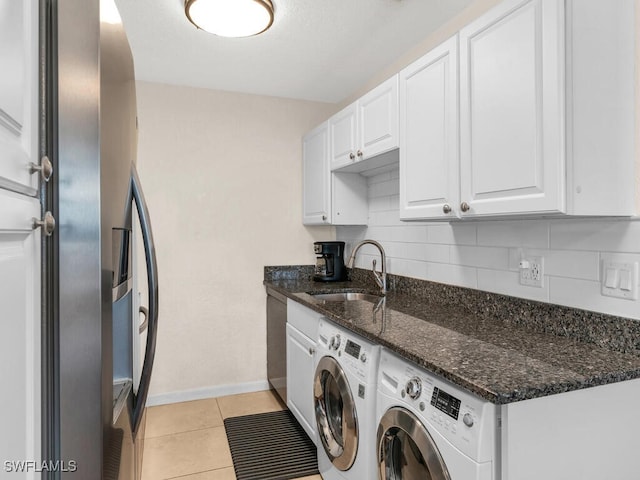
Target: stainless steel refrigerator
[[94, 394]]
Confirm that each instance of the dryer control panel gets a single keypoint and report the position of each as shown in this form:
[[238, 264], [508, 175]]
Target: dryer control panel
[[465, 420]]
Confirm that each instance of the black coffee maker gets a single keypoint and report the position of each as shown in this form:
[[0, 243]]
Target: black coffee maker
[[329, 262]]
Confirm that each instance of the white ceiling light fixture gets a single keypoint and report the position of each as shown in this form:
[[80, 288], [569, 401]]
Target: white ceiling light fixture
[[230, 18]]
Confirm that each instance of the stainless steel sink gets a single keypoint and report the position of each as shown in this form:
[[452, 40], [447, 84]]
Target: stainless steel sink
[[347, 296]]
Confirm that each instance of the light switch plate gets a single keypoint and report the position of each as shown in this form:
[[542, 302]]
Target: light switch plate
[[620, 280]]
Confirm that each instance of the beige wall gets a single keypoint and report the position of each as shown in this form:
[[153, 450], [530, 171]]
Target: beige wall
[[222, 177]]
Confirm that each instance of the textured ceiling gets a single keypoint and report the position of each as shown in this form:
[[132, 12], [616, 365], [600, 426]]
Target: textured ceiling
[[321, 50]]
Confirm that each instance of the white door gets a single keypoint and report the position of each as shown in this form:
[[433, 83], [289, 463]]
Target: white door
[[316, 186], [18, 94], [377, 120], [300, 370], [512, 109], [429, 173], [19, 333], [19, 243]]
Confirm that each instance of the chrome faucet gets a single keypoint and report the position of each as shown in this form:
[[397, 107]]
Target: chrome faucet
[[380, 278]]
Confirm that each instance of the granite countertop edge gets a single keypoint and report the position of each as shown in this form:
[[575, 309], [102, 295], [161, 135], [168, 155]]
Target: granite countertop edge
[[296, 283]]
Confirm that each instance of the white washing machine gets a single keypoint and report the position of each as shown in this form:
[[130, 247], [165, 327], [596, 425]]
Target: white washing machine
[[344, 391], [427, 428]]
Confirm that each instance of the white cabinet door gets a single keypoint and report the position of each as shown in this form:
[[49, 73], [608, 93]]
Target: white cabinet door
[[316, 184], [343, 137], [300, 373], [378, 120], [18, 94], [512, 109], [19, 332], [367, 127], [429, 174]]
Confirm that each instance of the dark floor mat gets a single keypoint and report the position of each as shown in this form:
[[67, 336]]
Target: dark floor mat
[[270, 446]]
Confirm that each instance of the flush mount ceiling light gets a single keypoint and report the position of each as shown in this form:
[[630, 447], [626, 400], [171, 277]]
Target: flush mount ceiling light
[[230, 18]]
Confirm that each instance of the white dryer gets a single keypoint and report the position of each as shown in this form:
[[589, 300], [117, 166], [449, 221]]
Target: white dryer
[[344, 391], [429, 428]]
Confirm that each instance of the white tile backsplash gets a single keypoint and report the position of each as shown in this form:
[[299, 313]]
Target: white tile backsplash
[[484, 254], [521, 233]]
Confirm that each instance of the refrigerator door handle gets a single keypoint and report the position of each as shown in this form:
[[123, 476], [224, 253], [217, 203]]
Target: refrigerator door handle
[[152, 316], [143, 325]]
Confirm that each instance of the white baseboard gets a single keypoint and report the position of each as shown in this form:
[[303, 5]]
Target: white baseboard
[[206, 392]]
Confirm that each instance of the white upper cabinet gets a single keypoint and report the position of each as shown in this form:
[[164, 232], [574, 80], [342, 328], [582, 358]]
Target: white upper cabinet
[[378, 119], [316, 186], [367, 127], [429, 177], [529, 110], [547, 119], [18, 95], [329, 198], [342, 129], [511, 110]]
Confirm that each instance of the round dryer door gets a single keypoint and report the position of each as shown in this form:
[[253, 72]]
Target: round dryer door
[[406, 450], [335, 413]]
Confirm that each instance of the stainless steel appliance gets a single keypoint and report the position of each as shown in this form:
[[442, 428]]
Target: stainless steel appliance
[[329, 262], [277, 342], [94, 412]]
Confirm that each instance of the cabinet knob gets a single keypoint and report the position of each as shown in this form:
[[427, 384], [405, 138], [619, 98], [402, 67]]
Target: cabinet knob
[[446, 208], [45, 168], [312, 350], [48, 224], [352, 156], [359, 152], [324, 218], [464, 206]]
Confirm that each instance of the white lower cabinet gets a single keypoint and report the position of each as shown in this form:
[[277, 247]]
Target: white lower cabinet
[[587, 434], [302, 331]]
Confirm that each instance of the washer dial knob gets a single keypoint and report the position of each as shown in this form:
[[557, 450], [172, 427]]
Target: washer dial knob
[[414, 388], [334, 343], [468, 420]]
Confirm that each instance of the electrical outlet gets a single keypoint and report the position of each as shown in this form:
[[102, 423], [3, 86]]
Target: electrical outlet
[[532, 271]]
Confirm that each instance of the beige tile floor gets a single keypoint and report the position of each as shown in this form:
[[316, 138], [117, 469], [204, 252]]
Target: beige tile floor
[[187, 440]]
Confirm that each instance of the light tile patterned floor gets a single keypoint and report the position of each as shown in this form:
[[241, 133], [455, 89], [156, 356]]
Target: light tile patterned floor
[[187, 440]]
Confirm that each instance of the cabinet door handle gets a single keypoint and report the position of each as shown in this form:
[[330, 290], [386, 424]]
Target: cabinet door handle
[[352, 156], [464, 206], [446, 208], [360, 153], [312, 350], [45, 168], [324, 218], [48, 224]]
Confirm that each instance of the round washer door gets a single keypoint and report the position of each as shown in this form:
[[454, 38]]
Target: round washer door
[[406, 449], [335, 413]]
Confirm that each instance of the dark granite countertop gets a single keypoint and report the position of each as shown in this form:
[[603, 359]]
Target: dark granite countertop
[[501, 348]]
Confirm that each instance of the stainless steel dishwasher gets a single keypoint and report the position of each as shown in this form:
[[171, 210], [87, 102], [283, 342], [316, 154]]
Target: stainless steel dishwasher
[[277, 342]]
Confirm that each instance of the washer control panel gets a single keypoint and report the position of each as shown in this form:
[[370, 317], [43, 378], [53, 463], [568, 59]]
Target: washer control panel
[[353, 352], [464, 419]]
